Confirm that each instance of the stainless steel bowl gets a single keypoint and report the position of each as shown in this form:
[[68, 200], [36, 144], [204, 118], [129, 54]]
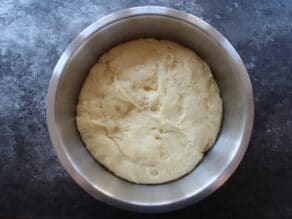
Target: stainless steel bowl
[[158, 22]]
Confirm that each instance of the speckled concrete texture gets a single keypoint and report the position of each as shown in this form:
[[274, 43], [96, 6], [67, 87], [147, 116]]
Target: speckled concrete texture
[[35, 33]]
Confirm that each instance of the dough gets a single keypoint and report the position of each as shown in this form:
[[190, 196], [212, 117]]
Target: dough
[[148, 110]]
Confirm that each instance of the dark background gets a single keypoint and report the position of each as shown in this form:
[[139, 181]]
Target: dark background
[[33, 34]]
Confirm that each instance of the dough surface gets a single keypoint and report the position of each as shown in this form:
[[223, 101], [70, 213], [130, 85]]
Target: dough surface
[[148, 110]]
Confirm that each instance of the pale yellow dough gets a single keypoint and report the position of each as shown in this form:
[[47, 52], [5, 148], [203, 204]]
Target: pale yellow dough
[[148, 110]]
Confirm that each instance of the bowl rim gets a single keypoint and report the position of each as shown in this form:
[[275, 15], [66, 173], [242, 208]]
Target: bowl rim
[[70, 165]]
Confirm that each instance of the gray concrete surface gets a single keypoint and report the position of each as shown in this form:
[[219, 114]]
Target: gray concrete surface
[[33, 34]]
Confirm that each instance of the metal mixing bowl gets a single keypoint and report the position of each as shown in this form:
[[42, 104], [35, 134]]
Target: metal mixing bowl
[[162, 23]]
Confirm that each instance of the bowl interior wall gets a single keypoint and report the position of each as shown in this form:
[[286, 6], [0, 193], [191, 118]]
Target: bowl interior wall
[[161, 27]]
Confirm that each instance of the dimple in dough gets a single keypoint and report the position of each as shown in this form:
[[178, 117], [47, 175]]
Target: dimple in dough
[[148, 110]]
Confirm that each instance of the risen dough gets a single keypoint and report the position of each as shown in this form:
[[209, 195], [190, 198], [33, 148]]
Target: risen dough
[[148, 110]]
